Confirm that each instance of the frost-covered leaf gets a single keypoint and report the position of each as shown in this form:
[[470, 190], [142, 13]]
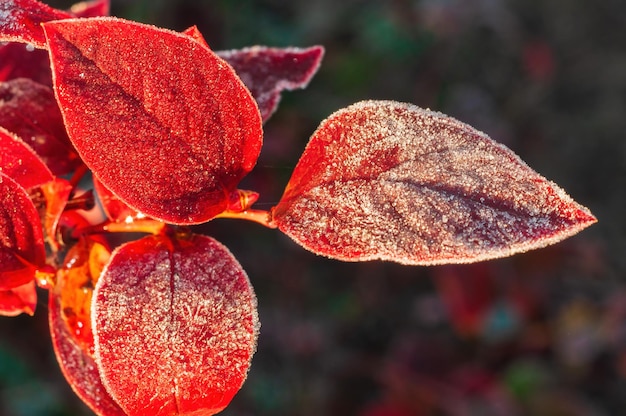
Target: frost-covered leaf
[[20, 21], [182, 311], [268, 71], [29, 110], [19, 162], [133, 95], [21, 238], [387, 180]]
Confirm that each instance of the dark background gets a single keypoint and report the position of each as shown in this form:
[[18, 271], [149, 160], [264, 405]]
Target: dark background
[[542, 333]]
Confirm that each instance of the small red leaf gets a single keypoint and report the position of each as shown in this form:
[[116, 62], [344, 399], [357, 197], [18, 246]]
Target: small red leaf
[[77, 364], [30, 110], [56, 194], [20, 163], [14, 271], [391, 181], [92, 8], [20, 232], [182, 311], [20, 21], [268, 71], [21, 299], [137, 96]]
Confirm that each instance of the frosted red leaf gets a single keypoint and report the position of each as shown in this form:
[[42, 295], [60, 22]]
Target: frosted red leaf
[[182, 311], [21, 299], [77, 365], [19, 162], [268, 71], [21, 238], [20, 21], [29, 110], [391, 181], [133, 95]]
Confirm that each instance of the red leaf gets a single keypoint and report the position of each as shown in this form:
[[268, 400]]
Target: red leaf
[[29, 110], [21, 299], [92, 8], [182, 311], [20, 163], [56, 194], [15, 270], [137, 96], [20, 229], [76, 362], [18, 60], [20, 21], [268, 71], [386, 180]]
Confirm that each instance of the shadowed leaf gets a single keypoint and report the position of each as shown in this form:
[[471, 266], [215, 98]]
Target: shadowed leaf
[[268, 71], [21, 238], [30, 110]]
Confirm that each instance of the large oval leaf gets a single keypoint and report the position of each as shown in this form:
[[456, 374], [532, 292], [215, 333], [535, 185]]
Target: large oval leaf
[[162, 121], [21, 238], [386, 180], [175, 326]]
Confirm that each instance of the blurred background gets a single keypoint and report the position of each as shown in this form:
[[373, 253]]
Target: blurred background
[[542, 333]]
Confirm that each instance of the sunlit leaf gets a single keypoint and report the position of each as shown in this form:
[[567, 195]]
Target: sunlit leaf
[[391, 181], [30, 111], [56, 194], [182, 311], [77, 364], [268, 71], [20, 234], [134, 95], [20, 21], [19, 162], [20, 299]]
